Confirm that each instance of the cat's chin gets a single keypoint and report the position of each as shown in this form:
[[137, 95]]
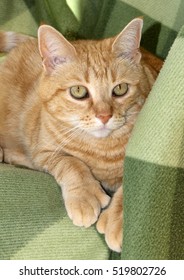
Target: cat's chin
[[101, 133]]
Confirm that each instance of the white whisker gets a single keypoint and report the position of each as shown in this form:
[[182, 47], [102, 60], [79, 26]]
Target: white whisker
[[55, 145], [63, 142]]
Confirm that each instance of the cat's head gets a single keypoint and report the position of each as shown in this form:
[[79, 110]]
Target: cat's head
[[95, 86]]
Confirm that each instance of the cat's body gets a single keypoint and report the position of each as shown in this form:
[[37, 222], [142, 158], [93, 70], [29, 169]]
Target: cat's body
[[72, 118]]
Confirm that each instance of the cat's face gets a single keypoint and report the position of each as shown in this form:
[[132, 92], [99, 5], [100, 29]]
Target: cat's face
[[92, 88]]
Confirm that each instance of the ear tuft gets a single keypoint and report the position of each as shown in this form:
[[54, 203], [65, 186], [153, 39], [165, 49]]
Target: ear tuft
[[54, 48], [127, 43]]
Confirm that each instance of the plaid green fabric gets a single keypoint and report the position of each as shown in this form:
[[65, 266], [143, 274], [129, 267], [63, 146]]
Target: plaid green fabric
[[154, 169], [33, 221], [97, 19]]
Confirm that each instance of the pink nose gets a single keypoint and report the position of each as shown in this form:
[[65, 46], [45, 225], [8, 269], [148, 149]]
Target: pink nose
[[104, 118]]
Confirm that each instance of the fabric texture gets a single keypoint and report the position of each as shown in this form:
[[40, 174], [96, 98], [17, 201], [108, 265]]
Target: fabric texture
[[154, 169], [34, 223], [33, 220]]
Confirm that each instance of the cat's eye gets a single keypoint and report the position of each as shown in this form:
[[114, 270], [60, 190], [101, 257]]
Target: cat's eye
[[120, 90], [79, 92]]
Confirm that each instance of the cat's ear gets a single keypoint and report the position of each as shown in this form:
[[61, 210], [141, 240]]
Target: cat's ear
[[127, 43], [54, 48]]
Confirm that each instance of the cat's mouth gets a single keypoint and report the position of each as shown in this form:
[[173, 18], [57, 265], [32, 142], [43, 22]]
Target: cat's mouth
[[102, 132]]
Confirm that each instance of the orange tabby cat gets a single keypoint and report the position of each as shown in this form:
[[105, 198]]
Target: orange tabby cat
[[68, 108]]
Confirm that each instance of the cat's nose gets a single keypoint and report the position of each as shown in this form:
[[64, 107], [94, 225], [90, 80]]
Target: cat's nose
[[104, 118]]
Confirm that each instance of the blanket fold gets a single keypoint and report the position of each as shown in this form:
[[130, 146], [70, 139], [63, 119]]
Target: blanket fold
[[154, 169]]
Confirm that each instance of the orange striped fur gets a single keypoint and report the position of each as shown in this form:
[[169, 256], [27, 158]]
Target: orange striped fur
[[81, 142]]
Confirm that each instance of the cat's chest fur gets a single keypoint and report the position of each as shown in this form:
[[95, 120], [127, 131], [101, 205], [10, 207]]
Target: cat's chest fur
[[104, 157]]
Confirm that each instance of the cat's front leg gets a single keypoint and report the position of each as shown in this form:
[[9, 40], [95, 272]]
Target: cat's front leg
[[111, 221], [83, 195]]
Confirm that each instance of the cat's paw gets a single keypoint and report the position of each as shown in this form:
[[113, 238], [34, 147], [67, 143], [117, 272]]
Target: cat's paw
[[84, 206], [110, 223]]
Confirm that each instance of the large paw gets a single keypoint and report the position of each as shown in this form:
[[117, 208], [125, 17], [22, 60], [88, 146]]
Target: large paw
[[84, 206], [110, 223]]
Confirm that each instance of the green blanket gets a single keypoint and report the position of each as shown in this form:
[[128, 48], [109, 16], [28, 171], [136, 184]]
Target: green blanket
[[154, 169], [33, 221]]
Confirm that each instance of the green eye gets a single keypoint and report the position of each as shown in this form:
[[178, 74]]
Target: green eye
[[120, 89], [79, 92]]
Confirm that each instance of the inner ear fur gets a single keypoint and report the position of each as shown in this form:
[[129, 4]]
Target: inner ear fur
[[54, 48], [127, 43]]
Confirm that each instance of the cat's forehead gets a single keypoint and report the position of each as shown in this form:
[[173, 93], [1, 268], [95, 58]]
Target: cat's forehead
[[94, 52], [97, 61], [97, 65]]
